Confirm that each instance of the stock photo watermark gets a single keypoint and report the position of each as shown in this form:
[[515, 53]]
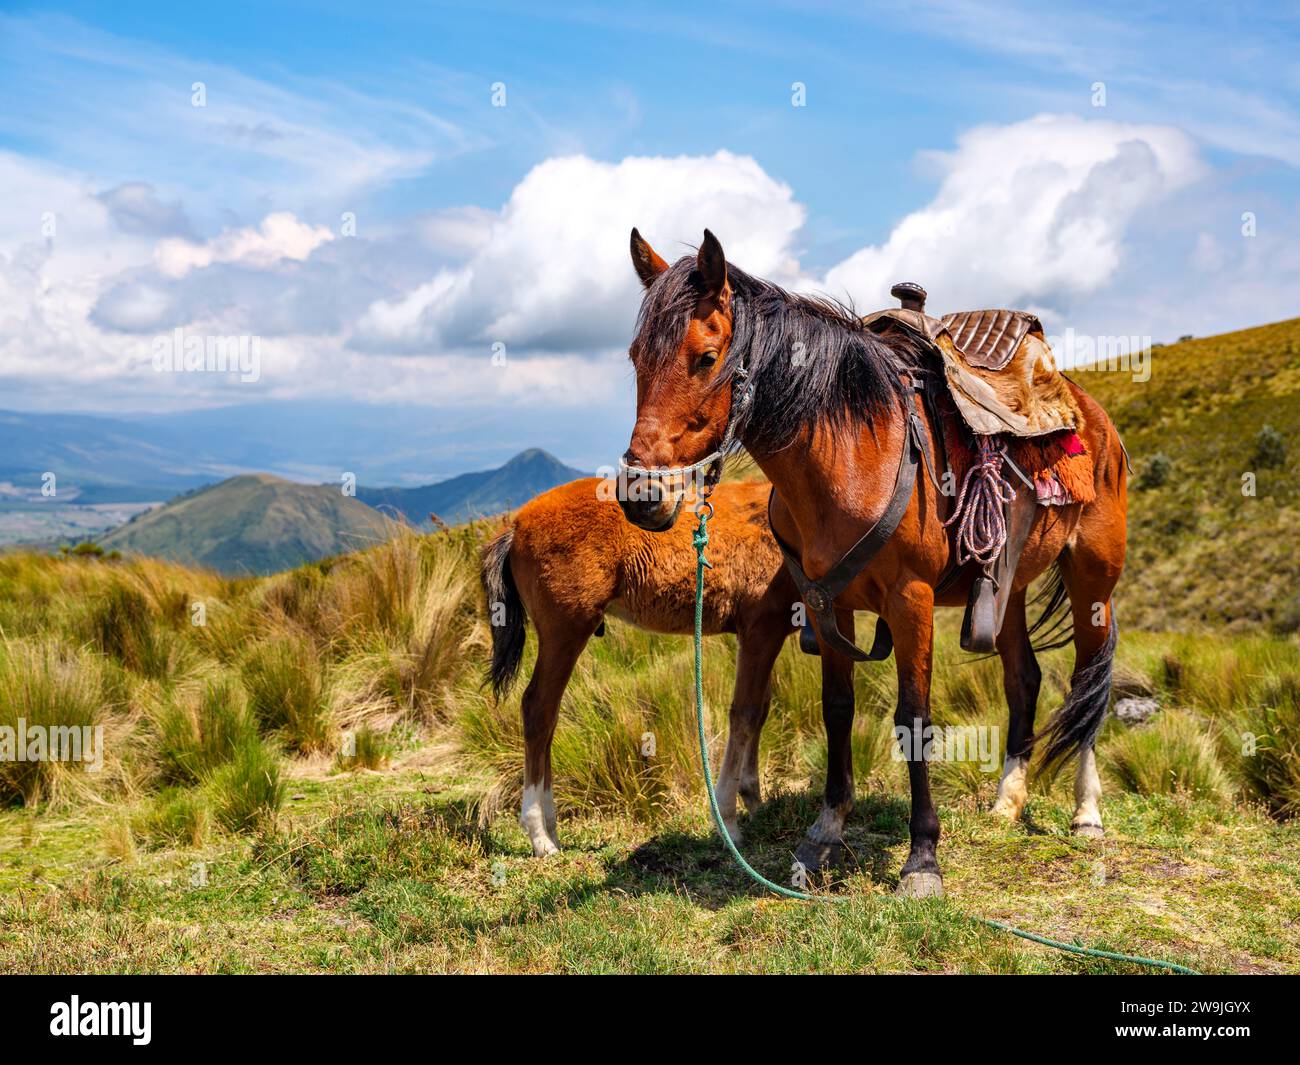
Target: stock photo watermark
[[83, 744], [179, 352]]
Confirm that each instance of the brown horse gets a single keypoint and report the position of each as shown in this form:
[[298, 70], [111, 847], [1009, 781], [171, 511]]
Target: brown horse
[[825, 415], [568, 558]]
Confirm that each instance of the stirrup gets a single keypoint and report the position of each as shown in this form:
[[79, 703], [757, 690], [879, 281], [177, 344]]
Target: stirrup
[[979, 628]]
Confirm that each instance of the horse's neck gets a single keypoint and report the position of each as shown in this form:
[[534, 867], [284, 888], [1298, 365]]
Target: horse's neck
[[835, 483]]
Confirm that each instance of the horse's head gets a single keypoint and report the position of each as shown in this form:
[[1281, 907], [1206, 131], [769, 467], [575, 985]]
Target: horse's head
[[682, 410]]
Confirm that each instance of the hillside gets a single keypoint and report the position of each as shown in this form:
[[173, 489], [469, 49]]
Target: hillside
[[1200, 550], [254, 523], [478, 494]]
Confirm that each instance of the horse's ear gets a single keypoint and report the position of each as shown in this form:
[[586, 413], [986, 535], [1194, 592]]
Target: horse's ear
[[712, 265], [645, 260]]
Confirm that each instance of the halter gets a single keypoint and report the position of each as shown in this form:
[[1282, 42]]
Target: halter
[[713, 461]]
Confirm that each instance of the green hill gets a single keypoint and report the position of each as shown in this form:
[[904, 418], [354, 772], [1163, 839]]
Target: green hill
[[1201, 550], [254, 523]]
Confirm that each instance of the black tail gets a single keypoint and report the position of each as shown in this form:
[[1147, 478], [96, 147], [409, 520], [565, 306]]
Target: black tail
[[1075, 726], [1054, 625], [506, 614]]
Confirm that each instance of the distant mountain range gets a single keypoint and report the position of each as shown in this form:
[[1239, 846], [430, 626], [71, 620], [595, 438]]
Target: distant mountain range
[[475, 495], [258, 523], [150, 457]]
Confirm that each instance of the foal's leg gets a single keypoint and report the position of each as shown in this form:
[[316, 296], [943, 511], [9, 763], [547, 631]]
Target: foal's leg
[[557, 652], [1022, 679], [759, 647], [911, 620], [820, 844]]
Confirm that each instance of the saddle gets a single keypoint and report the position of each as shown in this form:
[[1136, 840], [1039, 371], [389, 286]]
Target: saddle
[[997, 364], [1003, 381]]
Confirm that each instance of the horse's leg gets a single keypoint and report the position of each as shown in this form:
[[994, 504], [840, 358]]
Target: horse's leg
[[1021, 679], [911, 620], [557, 653], [1090, 683], [820, 845], [759, 646]]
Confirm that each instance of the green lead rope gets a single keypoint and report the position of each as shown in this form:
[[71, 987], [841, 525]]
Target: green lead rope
[[701, 540]]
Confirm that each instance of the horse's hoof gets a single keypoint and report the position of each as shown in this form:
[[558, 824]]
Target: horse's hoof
[[1088, 830], [1006, 809], [815, 857], [545, 847], [733, 830], [921, 886]]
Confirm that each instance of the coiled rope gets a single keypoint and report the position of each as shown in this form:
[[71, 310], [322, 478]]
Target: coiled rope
[[981, 520]]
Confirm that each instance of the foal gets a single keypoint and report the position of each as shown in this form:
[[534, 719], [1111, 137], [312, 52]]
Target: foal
[[568, 558]]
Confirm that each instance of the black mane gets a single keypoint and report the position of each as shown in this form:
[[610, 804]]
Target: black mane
[[846, 374]]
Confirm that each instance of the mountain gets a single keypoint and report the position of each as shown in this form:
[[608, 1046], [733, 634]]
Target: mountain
[[253, 523], [146, 457], [475, 495]]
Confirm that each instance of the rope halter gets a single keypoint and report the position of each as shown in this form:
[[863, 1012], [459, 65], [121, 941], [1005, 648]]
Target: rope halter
[[712, 462]]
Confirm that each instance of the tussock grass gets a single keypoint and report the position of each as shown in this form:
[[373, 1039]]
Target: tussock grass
[[48, 686], [175, 817], [286, 688], [389, 643], [1174, 754], [197, 730], [369, 750], [246, 792]]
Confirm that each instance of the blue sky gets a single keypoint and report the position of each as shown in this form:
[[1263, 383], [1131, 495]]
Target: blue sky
[[959, 144]]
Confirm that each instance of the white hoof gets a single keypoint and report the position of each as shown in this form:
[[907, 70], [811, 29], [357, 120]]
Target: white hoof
[[921, 886], [1008, 809], [544, 847]]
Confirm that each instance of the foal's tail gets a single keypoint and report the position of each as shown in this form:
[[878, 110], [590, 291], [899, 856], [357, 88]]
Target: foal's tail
[[1075, 726], [506, 614]]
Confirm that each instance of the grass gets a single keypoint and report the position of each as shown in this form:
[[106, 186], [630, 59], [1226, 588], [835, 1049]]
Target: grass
[[302, 773]]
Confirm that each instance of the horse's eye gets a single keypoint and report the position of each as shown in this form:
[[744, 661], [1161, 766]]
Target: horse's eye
[[708, 359]]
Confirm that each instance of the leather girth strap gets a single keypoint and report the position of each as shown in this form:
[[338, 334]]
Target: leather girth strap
[[820, 595]]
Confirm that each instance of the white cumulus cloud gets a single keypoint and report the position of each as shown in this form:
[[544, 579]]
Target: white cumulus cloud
[[280, 236], [1029, 214], [551, 270]]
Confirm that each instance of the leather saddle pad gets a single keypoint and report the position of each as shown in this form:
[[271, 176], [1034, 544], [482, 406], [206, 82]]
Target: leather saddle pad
[[998, 366]]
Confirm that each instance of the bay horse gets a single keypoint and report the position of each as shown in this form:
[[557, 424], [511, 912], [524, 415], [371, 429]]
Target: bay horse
[[825, 412], [567, 559]]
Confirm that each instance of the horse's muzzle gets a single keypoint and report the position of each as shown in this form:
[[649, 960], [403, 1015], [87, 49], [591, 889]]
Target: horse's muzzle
[[653, 515]]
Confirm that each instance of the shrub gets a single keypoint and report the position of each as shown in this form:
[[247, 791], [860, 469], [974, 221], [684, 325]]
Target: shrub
[[1155, 471], [1270, 449]]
